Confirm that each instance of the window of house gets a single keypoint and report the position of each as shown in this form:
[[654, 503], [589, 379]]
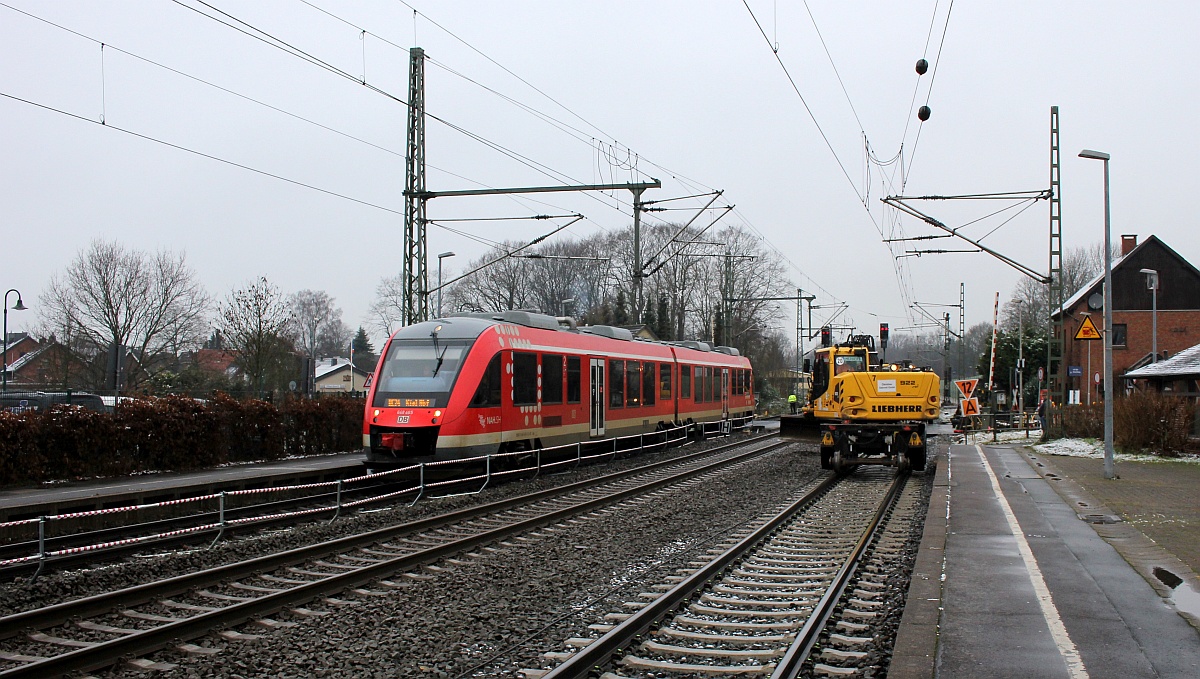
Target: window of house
[[552, 378], [633, 384], [664, 381], [616, 384], [1118, 339], [488, 393], [648, 383], [572, 379], [525, 374], [685, 381]]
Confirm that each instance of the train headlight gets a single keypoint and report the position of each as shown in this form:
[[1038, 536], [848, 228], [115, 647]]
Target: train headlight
[[376, 413], [437, 413]]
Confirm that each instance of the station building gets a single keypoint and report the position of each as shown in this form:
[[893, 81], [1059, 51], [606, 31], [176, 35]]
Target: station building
[[1178, 304]]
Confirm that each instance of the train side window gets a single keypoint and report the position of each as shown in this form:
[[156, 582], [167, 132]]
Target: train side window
[[648, 383], [710, 383], [552, 382], [572, 379], [735, 382], [664, 381], [616, 384], [633, 384], [524, 379], [488, 393], [685, 381]]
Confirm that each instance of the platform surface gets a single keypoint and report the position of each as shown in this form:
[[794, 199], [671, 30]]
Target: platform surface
[[133, 487], [1030, 587]]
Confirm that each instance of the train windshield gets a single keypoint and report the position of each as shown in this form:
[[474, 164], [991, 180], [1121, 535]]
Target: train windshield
[[419, 373]]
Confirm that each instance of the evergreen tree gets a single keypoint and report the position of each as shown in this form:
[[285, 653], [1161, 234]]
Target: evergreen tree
[[650, 320], [364, 353], [621, 311], [664, 329]]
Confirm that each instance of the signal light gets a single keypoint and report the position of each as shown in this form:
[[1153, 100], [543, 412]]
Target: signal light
[[826, 336], [883, 335]]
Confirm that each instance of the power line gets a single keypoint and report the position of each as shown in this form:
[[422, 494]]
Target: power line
[[201, 154]]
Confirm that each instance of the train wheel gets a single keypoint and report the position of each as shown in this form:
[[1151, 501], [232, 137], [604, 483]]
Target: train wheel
[[916, 458], [841, 453]]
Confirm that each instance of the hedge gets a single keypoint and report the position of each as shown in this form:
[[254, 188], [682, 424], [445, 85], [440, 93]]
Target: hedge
[[1144, 421], [171, 433]]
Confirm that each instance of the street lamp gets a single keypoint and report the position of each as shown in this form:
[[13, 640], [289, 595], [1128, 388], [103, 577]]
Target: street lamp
[[1020, 355], [1109, 472], [440, 258], [562, 306], [1152, 283], [19, 306]]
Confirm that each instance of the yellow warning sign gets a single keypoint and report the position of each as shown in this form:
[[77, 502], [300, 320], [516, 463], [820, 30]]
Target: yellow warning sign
[[1087, 331], [966, 387], [970, 406]]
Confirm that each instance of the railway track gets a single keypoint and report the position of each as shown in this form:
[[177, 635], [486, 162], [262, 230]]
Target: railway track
[[99, 631], [764, 601]]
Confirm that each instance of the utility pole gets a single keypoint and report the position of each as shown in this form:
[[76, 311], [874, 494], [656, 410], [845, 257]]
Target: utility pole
[[1054, 347], [414, 277], [638, 271]]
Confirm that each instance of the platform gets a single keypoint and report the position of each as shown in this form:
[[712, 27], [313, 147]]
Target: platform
[[20, 503], [1023, 574]]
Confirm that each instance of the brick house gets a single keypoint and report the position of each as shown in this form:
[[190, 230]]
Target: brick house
[[1178, 313]]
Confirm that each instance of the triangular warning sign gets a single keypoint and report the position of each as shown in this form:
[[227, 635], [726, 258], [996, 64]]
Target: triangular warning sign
[[1087, 331], [966, 387]]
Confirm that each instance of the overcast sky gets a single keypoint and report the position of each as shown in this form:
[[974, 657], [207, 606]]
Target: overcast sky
[[688, 92]]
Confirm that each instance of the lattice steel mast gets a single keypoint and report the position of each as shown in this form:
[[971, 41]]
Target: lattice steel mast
[[1054, 347], [415, 275]]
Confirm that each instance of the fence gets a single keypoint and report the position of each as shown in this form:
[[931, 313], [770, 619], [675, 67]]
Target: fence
[[539, 460]]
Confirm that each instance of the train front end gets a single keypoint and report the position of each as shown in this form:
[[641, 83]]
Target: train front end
[[411, 398]]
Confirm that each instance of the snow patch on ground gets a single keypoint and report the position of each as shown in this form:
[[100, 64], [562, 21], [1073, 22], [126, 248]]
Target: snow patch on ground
[[1095, 449]]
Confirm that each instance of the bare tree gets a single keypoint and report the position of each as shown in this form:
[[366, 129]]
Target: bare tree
[[111, 296], [254, 325], [317, 328]]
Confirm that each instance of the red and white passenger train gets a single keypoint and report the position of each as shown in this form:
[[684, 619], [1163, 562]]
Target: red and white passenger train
[[481, 384]]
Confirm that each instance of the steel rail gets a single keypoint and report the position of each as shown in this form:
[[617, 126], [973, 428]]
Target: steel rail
[[600, 652], [790, 664], [105, 653]]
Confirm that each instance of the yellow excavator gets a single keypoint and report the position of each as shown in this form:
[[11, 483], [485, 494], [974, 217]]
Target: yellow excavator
[[864, 411]]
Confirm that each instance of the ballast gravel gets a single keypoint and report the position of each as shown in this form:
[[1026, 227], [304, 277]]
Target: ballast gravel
[[25, 593], [495, 613]]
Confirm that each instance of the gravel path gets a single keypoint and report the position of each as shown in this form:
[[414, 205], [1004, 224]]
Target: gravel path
[[499, 611]]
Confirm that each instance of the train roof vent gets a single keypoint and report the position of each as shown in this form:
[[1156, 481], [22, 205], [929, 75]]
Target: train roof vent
[[728, 350], [698, 346], [608, 331], [529, 319]]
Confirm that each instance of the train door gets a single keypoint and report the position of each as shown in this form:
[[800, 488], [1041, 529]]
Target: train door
[[597, 396], [725, 423]]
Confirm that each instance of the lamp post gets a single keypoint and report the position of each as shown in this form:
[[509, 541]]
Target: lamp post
[[440, 258], [1109, 472], [1020, 356], [562, 306], [1152, 283], [19, 306]]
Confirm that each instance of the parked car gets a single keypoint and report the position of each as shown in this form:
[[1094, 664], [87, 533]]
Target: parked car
[[34, 401]]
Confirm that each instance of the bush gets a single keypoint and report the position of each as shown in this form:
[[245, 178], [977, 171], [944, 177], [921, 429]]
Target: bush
[[171, 433], [1153, 422], [1083, 421]]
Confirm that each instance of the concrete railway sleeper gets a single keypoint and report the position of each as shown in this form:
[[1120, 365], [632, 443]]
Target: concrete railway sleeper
[[101, 630], [759, 606]]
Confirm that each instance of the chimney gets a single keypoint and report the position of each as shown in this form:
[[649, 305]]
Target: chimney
[[1128, 243]]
